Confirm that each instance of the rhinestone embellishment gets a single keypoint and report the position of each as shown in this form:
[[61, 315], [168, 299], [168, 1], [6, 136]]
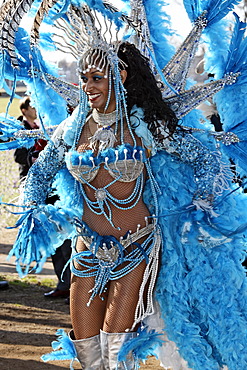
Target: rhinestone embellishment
[[100, 194]]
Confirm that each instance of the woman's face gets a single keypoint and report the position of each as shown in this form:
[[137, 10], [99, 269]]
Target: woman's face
[[96, 86]]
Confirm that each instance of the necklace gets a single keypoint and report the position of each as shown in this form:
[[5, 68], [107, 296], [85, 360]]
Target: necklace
[[104, 136], [104, 119]]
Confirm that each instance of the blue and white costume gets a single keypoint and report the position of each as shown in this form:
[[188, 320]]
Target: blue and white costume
[[196, 302], [200, 288]]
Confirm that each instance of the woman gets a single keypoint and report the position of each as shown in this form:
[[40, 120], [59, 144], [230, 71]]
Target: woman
[[127, 216], [110, 171], [120, 236], [144, 197]]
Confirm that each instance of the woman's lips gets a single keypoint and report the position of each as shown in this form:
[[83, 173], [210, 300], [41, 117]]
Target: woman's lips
[[93, 97]]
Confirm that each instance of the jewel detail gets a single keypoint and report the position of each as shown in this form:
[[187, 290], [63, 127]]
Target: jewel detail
[[100, 194], [105, 136]]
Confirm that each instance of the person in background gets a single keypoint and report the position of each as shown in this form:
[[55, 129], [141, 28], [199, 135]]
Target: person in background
[[28, 118], [59, 260]]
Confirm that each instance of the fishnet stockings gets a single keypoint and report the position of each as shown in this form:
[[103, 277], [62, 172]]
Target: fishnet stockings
[[116, 312]]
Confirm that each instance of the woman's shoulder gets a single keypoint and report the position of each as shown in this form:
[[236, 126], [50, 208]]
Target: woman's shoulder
[[67, 129]]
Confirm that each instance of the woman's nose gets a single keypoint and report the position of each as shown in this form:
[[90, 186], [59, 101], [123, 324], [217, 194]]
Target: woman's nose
[[88, 86]]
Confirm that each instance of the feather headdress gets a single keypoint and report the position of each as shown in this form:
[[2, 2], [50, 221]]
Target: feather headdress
[[83, 27]]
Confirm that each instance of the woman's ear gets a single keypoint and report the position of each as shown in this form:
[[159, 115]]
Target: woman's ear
[[123, 74]]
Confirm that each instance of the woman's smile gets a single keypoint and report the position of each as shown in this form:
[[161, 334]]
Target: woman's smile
[[93, 97]]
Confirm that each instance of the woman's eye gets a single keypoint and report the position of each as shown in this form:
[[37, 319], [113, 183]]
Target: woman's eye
[[97, 78], [84, 79]]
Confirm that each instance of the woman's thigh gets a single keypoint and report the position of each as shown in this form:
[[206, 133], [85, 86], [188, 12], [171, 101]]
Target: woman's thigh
[[87, 320], [123, 296]]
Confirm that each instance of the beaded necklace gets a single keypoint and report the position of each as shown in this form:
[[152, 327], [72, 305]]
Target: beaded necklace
[[104, 119]]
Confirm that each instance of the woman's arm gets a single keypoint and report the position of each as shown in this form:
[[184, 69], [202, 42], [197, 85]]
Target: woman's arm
[[41, 174], [209, 172], [42, 227]]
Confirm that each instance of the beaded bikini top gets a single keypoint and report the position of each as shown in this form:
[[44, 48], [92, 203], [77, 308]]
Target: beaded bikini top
[[124, 163]]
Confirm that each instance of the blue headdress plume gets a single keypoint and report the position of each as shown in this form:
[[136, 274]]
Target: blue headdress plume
[[160, 30], [101, 6], [51, 107], [216, 9]]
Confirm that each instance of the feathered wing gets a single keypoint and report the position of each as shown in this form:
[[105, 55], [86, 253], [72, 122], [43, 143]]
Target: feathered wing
[[231, 102], [197, 246], [203, 14], [30, 67], [198, 251], [11, 14]]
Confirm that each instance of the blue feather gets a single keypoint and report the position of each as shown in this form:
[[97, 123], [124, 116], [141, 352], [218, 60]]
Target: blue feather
[[192, 8], [231, 102], [199, 314], [143, 345], [63, 349], [42, 230], [50, 106], [9, 91], [8, 127], [99, 6], [236, 58], [160, 31], [216, 9]]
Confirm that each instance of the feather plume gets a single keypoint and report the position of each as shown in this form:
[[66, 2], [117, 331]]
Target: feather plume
[[160, 30], [231, 102], [9, 126], [216, 9], [143, 345], [44, 8], [63, 349], [10, 25], [236, 58], [50, 105], [42, 230]]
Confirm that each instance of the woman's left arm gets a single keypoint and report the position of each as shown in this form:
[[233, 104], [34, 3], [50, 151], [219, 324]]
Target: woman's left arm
[[209, 172]]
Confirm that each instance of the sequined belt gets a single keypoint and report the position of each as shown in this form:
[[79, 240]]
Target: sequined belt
[[107, 249]]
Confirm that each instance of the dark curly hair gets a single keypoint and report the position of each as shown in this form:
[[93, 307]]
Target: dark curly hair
[[142, 89]]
